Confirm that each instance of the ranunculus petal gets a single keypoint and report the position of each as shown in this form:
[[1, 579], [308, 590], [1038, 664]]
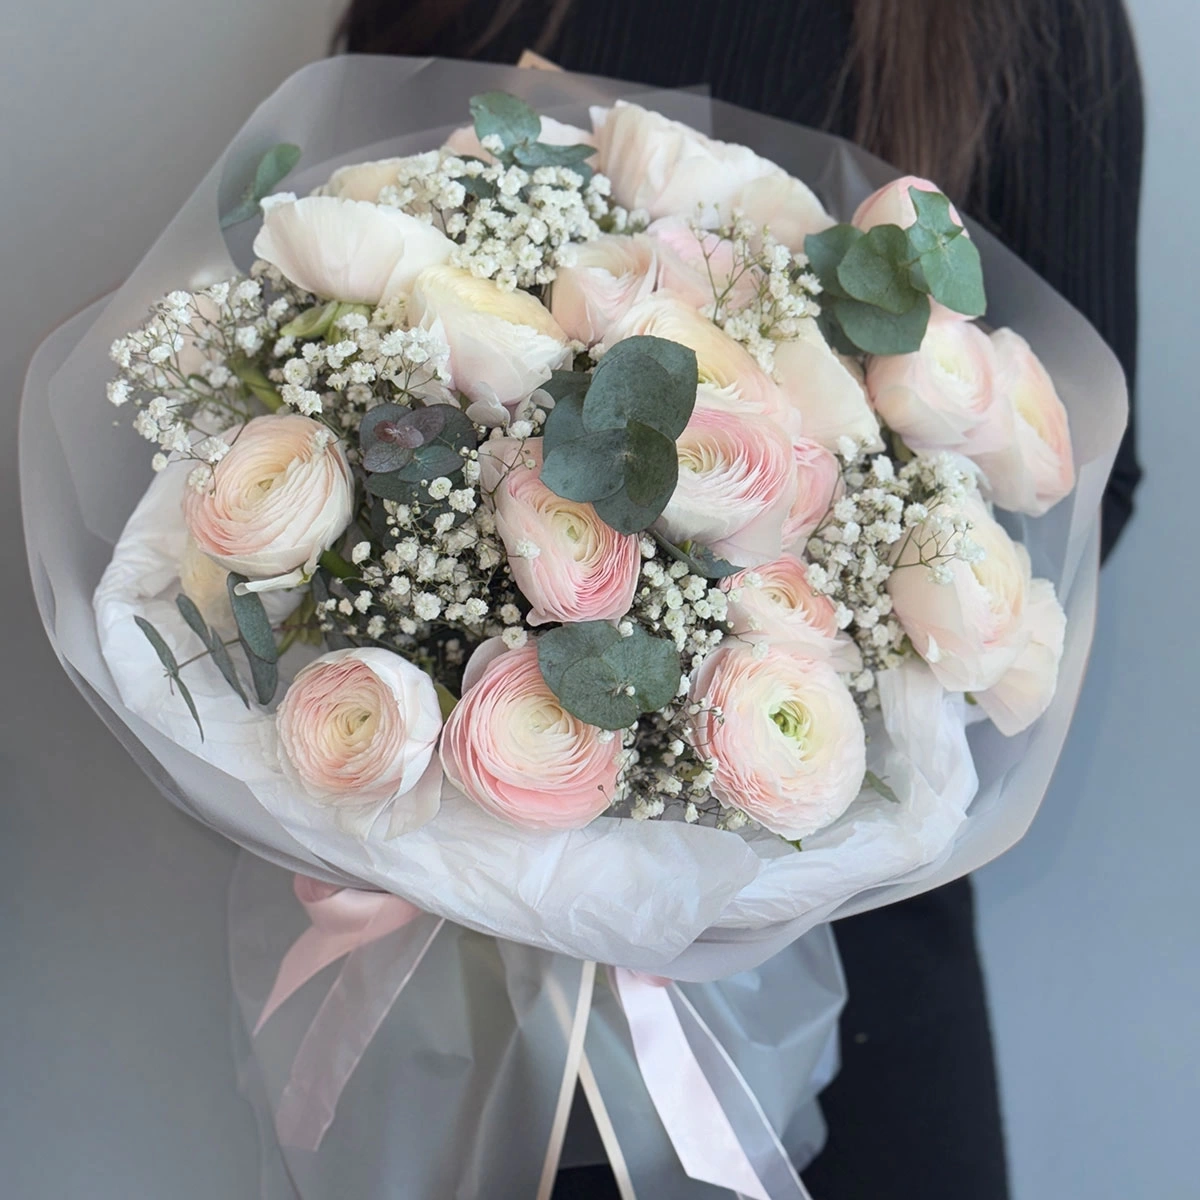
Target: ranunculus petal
[[606, 278], [349, 250]]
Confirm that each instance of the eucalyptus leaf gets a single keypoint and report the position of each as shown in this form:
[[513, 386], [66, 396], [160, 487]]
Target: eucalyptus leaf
[[164, 652], [254, 626], [429, 462], [589, 468], [875, 270], [389, 485], [955, 277], [876, 784], [384, 457], [481, 189], [638, 387], [512, 120], [593, 691], [878, 332], [621, 513], [192, 615], [649, 665], [266, 678], [564, 422], [220, 656], [272, 168], [832, 331], [825, 252], [187, 699], [651, 466], [559, 648], [566, 383], [700, 560], [380, 414]]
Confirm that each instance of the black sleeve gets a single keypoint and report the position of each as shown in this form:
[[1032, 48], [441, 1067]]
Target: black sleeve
[[1063, 192]]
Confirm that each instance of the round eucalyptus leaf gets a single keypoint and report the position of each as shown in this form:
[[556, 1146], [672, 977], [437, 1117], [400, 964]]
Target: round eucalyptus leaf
[[559, 648], [593, 691], [590, 467], [875, 270]]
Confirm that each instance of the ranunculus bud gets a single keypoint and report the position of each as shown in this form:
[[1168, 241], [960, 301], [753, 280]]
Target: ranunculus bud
[[788, 742], [513, 749], [282, 495]]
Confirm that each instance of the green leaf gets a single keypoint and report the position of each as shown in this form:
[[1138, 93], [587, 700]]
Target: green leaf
[[504, 115], [481, 189], [255, 381], [606, 679], [564, 423], [271, 170], [875, 270], [168, 660], [955, 277], [637, 386], [651, 466], [314, 322], [590, 467], [265, 676], [832, 331], [949, 260], [879, 332], [540, 154], [187, 699], [254, 626], [389, 485], [621, 513], [191, 614], [567, 383], [826, 250], [165, 655], [700, 560], [876, 784], [561, 647], [274, 167]]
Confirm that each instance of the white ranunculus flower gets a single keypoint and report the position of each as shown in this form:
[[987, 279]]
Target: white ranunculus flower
[[349, 250], [784, 204], [280, 497], [360, 727], [972, 627], [362, 181], [789, 744], [606, 278], [668, 168], [503, 345], [817, 384], [1034, 468], [1025, 690]]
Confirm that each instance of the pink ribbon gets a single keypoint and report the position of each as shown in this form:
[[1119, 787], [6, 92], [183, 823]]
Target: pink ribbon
[[345, 922]]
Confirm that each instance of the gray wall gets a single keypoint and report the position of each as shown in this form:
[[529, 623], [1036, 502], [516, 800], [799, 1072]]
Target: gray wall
[[117, 1080], [1089, 925]]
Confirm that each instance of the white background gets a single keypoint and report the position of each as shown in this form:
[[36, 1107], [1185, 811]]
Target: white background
[[113, 999]]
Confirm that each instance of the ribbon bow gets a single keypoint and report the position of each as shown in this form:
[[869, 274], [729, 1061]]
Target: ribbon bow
[[710, 1113]]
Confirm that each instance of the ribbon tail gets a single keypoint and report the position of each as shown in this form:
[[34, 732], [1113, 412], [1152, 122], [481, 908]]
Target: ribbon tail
[[366, 988], [562, 1112], [309, 955]]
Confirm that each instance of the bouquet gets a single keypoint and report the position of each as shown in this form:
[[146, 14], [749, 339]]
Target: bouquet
[[580, 532]]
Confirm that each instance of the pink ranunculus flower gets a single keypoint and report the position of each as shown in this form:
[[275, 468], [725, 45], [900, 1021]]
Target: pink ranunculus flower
[[788, 743], [698, 267], [1034, 469], [737, 483], [360, 727], [668, 168], [942, 396], [721, 361], [513, 749], [503, 345], [966, 619], [892, 204], [825, 393], [606, 278], [818, 479], [567, 562], [349, 250], [775, 602], [1025, 690], [282, 495]]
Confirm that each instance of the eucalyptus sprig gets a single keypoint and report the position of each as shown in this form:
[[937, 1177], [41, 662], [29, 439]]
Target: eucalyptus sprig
[[876, 285]]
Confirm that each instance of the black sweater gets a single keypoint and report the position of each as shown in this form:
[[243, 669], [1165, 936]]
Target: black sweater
[[1063, 195]]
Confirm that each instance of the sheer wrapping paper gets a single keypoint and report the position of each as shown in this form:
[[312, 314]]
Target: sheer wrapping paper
[[685, 902]]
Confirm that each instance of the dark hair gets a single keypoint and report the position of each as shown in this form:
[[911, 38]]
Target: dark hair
[[934, 82]]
